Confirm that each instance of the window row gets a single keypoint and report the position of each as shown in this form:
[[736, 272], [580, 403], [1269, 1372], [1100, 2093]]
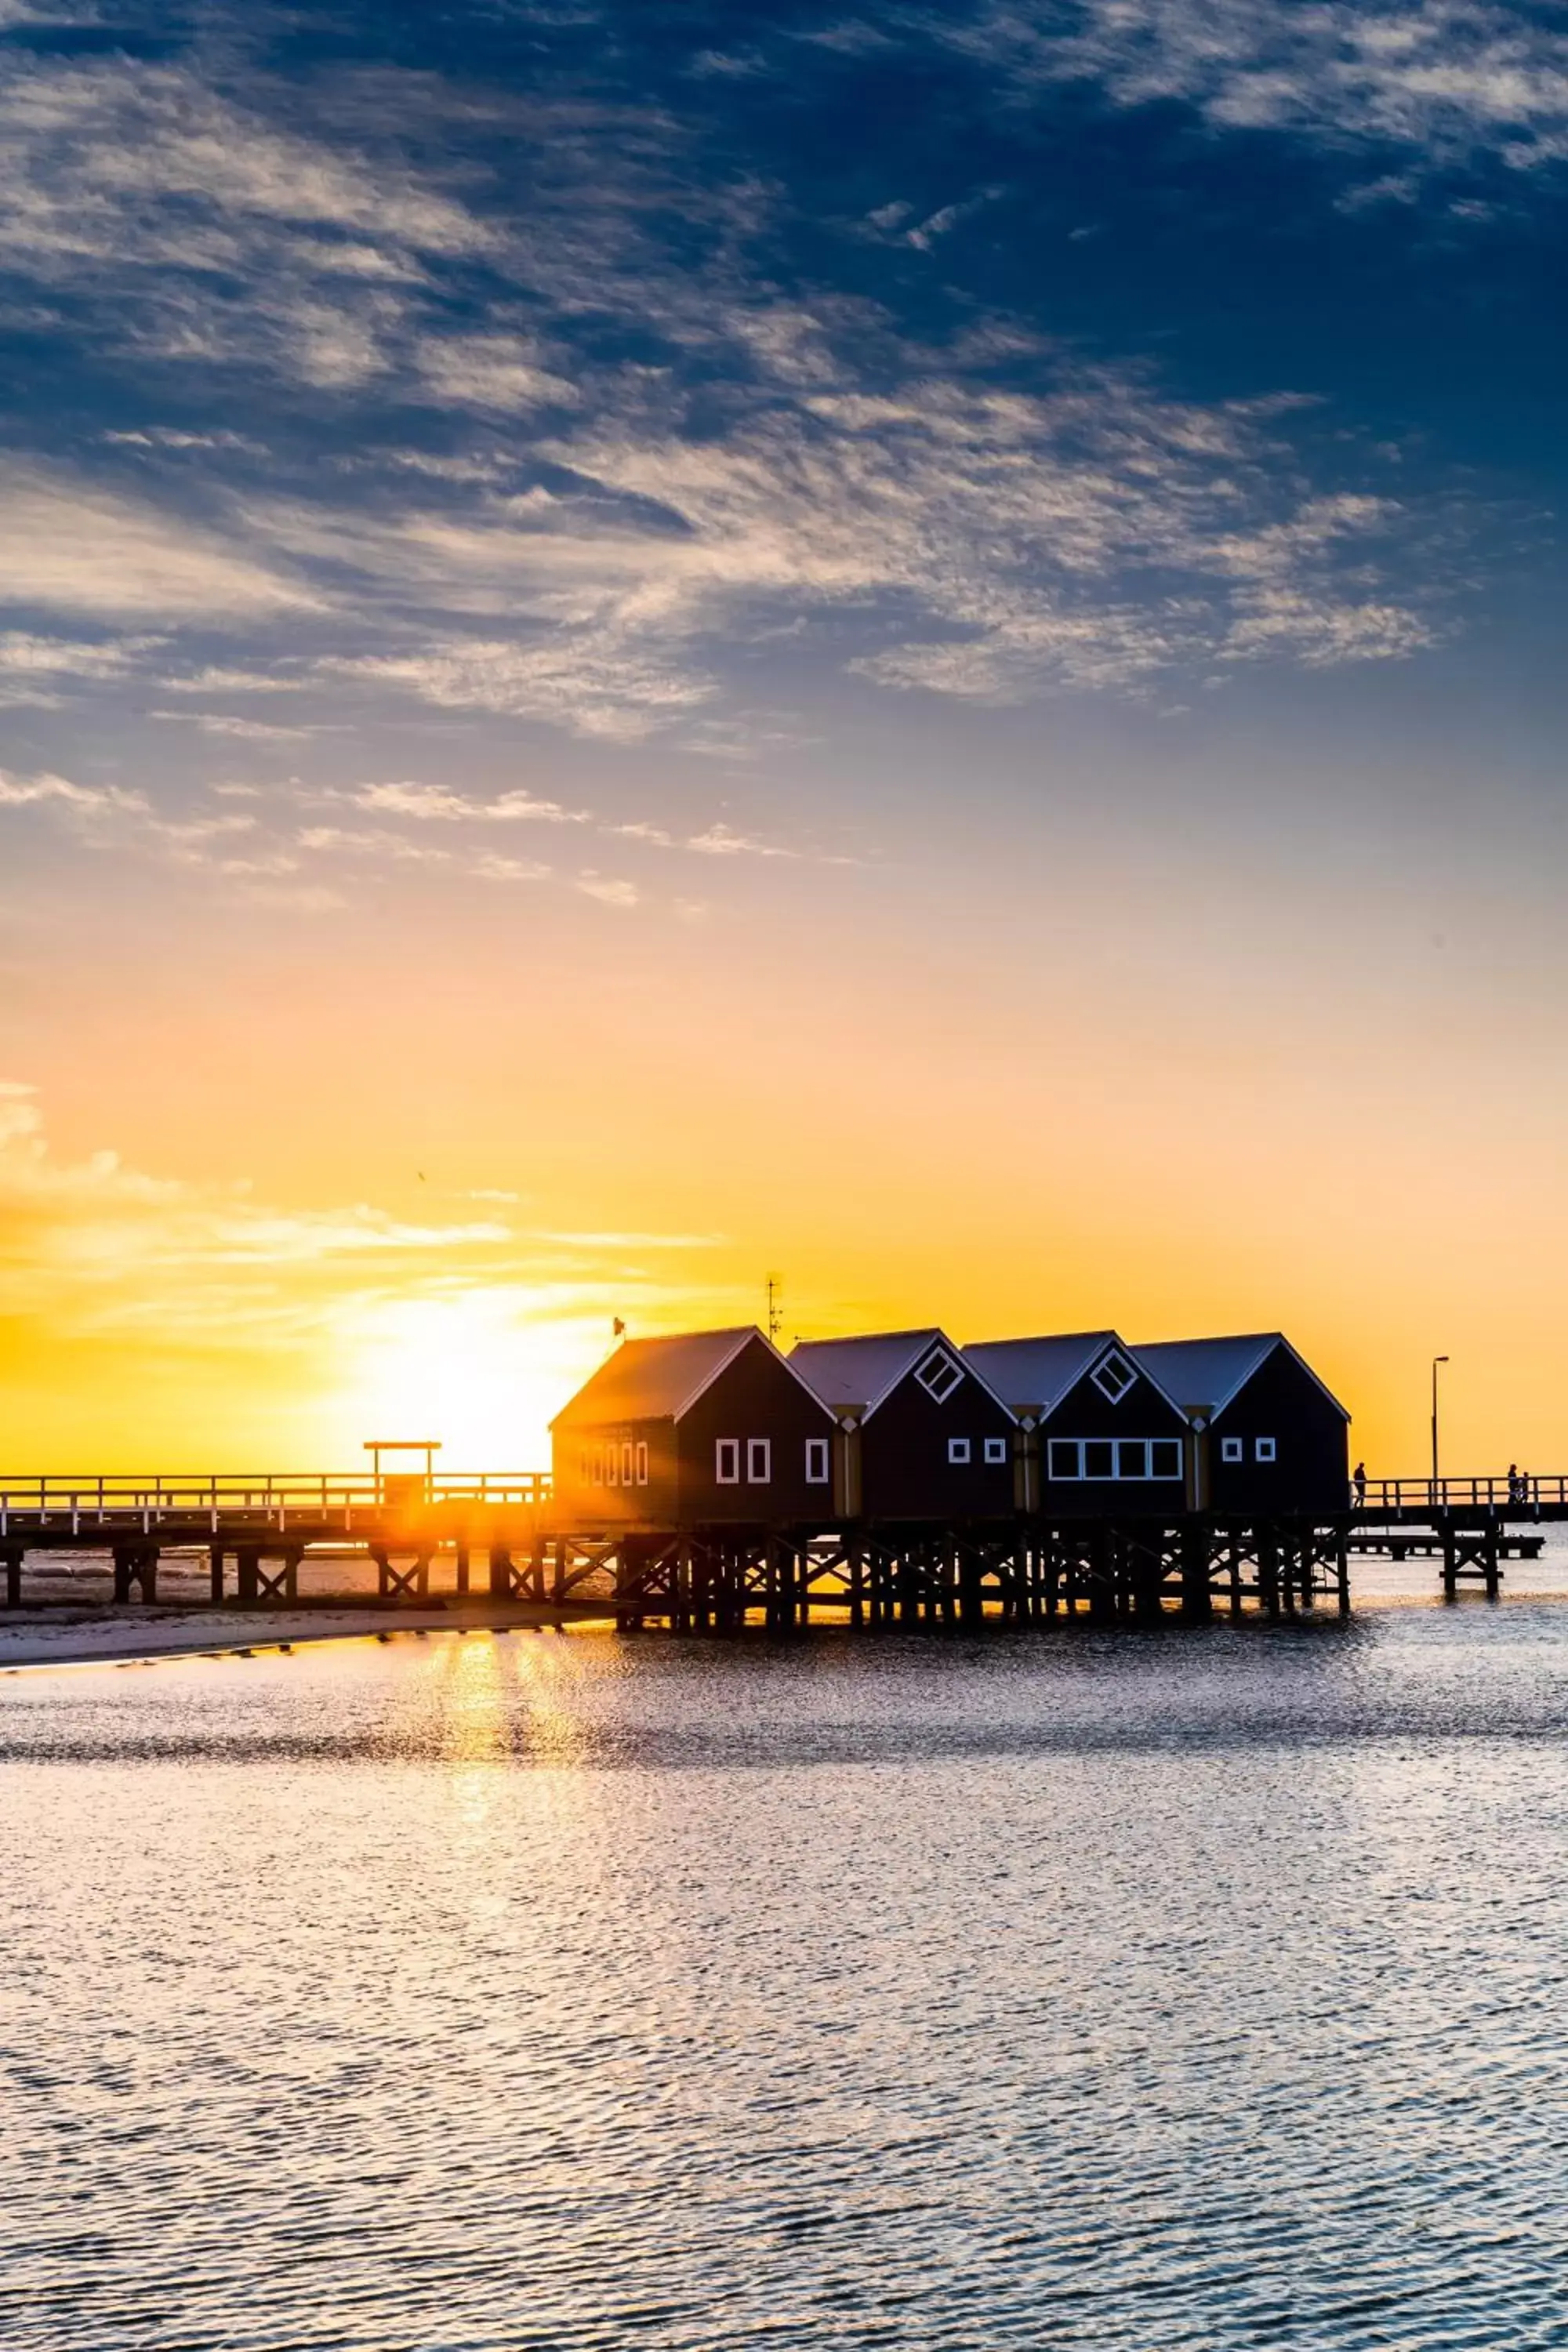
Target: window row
[[961, 1449], [758, 1453], [616, 1465], [1234, 1449], [1114, 1457]]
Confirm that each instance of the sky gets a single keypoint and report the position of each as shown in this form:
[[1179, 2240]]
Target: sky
[[915, 646]]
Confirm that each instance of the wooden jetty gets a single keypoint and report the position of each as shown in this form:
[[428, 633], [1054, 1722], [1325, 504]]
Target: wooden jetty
[[1470, 1525], [504, 1539]]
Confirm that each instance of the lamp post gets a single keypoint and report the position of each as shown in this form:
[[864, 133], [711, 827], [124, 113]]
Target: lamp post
[[1436, 1361]]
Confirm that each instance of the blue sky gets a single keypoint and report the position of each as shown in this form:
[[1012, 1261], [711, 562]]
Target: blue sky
[[673, 480]]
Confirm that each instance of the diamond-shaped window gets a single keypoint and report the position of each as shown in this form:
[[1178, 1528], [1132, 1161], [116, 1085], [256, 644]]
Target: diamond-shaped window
[[1114, 1377], [938, 1374]]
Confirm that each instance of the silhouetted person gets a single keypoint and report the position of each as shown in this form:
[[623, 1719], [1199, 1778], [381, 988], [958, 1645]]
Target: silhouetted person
[[1358, 1486], [1518, 1484]]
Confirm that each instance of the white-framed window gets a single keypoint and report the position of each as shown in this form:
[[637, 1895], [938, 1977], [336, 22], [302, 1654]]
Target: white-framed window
[[1231, 1449], [1114, 1377], [759, 1461], [598, 1466], [629, 1463], [1267, 1450], [938, 1375], [642, 1463], [1124, 1460], [958, 1449], [817, 1462], [727, 1461], [995, 1449]]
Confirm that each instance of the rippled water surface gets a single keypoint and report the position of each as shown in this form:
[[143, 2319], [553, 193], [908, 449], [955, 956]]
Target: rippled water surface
[[1194, 1989]]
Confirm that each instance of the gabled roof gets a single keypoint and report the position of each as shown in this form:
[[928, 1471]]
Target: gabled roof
[[1036, 1374], [658, 1379], [1205, 1375], [856, 1375]]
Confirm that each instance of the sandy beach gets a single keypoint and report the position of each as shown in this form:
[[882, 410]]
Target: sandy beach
[[55, 1637]]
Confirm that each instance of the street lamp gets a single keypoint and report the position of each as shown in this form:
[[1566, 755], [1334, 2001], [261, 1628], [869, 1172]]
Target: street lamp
[[1436, 1361]]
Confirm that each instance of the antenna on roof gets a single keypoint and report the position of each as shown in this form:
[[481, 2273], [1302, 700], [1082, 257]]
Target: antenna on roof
[[775, 1306]]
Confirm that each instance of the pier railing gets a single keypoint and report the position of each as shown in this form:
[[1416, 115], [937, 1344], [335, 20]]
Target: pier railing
[[148, 1505], [1522, 1493]]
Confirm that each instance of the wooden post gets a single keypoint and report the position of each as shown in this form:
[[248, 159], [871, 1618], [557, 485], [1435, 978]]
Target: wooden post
[[214, 1574], [1343, 1574], [1450, 1560], [1197, 1600], [1101, 1569], [462, 1569], [500, 1573], [1148, 1607], [1053, 1577], [856, 1564], [1267, 1541]]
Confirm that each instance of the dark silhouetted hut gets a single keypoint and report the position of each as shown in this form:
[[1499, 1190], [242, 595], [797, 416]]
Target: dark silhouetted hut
[[925, 1434], [704, 1428], [1270, 1436], [1101, 1435]]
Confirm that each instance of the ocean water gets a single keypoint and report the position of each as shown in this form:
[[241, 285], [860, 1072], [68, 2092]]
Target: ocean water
[[538, 1993]]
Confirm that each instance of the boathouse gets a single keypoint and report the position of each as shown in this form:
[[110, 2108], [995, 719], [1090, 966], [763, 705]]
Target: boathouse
[[924, 1435], [701, 1429], [1100, 1434], [1269, 1436]]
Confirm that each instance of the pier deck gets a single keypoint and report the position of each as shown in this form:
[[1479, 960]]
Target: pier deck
[[501, 1536]]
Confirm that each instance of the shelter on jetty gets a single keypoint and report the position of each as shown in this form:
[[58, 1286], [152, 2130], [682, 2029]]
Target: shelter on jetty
[[1269, 1436], [1099, 1436], [923, 1434]]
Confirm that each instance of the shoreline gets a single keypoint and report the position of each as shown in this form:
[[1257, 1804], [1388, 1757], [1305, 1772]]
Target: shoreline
[[39, 1639], [44, 1638]]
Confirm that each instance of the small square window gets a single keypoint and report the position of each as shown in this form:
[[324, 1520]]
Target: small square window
[[759, 1461], [1231, 1449], [1063, 1458], [1114, 1377], [727, 1461], [995, 1449], [642, 1466], [817, 1462], [958, 1449], [938, 1375], [1267, 1451]]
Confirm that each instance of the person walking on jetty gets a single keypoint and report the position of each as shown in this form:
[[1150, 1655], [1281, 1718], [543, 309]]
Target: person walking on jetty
[[1517, 1484], [1358, 1488]]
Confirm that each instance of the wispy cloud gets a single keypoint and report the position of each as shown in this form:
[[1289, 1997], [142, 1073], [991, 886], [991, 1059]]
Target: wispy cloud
[[75, 546], [1448, 80], [438, 805]]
